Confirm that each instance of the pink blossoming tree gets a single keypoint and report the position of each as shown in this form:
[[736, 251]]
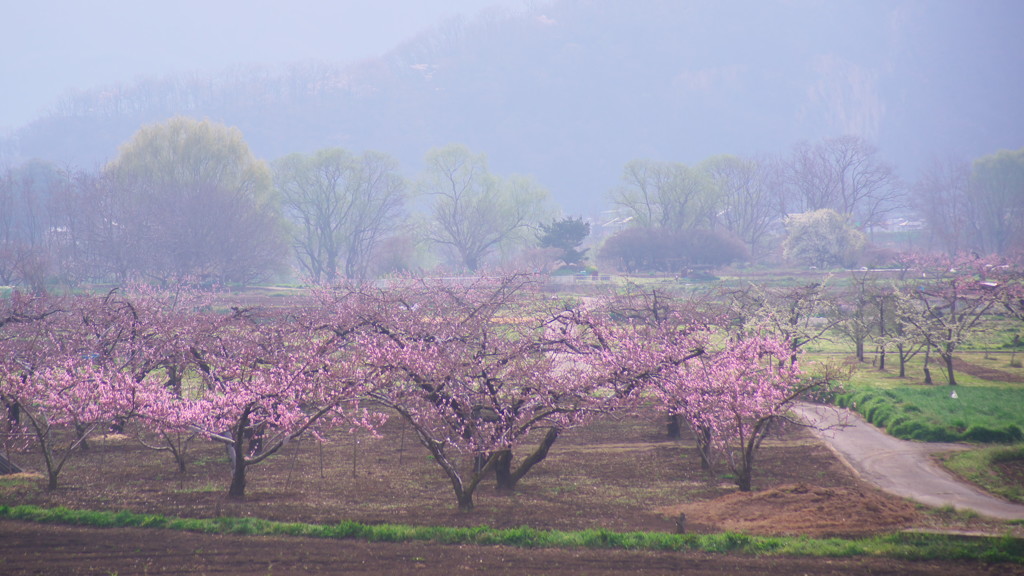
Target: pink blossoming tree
[[467, 366]]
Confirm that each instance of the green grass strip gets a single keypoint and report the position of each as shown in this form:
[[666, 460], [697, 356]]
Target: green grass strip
[[907, 546], [980, 467]]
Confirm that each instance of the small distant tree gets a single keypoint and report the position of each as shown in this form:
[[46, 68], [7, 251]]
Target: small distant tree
[[861, 310], [901, 334], [822, 238], [566, 236], [796, 315]]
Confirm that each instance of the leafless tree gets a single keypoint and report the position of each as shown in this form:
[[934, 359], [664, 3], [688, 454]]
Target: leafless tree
[[665, 195], [997, 194], [747, 191], [341, 207], [942, 197], [845, 175]]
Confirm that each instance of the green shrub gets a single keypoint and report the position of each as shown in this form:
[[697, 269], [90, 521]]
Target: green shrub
[[882, 414], [896, 421], [931, 433], [906, 430], [987, 435]]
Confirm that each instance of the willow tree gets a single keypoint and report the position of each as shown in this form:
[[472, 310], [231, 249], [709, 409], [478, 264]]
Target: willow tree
[[997, 194], [192, 201], [475, 212], [666, 195], [340, 206]]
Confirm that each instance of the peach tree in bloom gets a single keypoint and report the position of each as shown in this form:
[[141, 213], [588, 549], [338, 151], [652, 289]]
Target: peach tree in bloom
[[266, 377], [469, 367], [56, 393], [736, 394]]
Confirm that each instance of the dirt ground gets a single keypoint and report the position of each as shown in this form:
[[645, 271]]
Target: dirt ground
[[985, 372], [616, 473]]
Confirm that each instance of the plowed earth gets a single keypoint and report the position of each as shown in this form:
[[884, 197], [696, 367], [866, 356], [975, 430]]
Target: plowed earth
[[615, 473]]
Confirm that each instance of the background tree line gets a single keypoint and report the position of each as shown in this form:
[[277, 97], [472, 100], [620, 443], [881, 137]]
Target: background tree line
[[825, 204], [570, 91], [187, 198]]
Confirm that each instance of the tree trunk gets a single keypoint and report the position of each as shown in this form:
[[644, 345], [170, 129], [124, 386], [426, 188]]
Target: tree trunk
[[465, 500], [237, 451], [704, 448], [52, 468], [948, 359], [675, 428], [237, 490], [903, 361], [14, 414], [508, 479], [503, 471], [743, 480], [83, 445]]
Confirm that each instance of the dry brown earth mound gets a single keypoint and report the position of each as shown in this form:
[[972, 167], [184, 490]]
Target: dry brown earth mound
[[799, 509]]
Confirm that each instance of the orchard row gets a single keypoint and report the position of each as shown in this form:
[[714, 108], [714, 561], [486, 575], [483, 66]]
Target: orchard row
[[480, 369], [473, 367]]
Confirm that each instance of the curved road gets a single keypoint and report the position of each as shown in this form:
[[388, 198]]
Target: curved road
[[901, 467]]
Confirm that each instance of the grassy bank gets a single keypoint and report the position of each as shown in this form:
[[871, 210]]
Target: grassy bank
[[913, 546], [933, 414], [982, 468]]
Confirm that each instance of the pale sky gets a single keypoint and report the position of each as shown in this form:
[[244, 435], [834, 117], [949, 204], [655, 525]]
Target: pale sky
[[50, 47]]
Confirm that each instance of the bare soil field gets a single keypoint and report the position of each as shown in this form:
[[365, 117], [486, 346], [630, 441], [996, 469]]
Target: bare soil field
[[985, 372], [618, 473]]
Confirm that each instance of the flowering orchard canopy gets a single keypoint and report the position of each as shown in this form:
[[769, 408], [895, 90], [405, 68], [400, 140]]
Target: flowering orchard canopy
[[468, 363]]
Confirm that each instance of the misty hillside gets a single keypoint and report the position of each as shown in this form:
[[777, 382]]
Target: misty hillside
[[571, 90]]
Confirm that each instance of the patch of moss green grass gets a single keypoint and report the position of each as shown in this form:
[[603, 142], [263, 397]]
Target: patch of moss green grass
[[910, 546], [980, 414], [979, 467]]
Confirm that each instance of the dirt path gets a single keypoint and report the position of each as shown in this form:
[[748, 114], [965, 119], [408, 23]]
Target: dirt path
[[902, 467]]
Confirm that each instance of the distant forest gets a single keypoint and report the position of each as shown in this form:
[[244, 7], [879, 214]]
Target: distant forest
[[598, 102]]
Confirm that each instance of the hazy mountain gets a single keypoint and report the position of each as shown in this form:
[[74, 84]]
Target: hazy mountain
[[571, 90]]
